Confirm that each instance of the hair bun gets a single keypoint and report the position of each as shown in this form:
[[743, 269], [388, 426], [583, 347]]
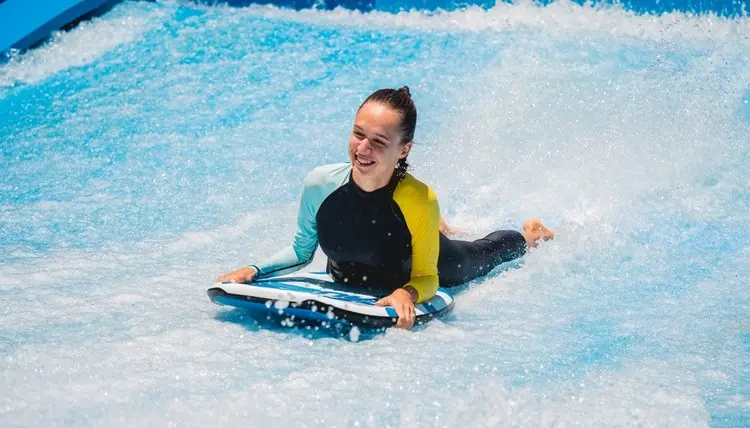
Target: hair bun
[[405, 89]]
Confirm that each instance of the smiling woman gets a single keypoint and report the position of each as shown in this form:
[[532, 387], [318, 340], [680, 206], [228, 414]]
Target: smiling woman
[[380, 226], [389, 145]]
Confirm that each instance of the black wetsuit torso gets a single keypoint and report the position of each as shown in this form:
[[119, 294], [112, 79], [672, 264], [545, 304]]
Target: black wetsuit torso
[[365, 236]]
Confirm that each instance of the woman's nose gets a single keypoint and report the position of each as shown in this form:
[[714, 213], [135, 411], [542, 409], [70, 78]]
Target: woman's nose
[[364, 146]]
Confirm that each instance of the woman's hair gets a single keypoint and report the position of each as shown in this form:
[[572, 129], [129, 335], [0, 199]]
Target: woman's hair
[[399, 100]]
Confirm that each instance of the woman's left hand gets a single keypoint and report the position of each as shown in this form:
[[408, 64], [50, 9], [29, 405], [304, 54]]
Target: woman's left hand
[[401, 300]]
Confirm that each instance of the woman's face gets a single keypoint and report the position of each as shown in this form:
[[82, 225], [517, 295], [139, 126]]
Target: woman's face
[[375, 144]]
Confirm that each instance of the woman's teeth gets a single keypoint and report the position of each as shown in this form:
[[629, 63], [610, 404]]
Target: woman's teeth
[[364, 162]]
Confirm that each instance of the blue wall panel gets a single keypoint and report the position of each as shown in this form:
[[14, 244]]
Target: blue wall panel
[[24, 23]]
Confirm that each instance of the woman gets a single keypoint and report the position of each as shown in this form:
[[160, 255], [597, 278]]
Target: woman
[[379, 226]]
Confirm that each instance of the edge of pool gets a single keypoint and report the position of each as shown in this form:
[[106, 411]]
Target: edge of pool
[[23, 26]]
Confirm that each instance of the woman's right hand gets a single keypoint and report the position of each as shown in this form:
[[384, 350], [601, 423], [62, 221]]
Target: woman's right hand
[[240, 275]]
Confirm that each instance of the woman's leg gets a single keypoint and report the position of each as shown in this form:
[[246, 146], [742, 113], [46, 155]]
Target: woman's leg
[[534, 230], [462, 261]]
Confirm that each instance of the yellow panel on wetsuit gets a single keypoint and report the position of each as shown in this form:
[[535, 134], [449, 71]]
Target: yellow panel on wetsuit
[[419, 205]]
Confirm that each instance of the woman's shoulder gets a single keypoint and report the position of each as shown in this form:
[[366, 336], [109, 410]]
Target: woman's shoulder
[[415, 190], [333, 174]]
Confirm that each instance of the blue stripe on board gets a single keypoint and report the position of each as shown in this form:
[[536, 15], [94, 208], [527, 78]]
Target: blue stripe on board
[[428, 307], [332, 294], [312, 281], [303, 314]]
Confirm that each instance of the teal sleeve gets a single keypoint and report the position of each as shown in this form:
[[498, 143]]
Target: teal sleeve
[[320, 183]]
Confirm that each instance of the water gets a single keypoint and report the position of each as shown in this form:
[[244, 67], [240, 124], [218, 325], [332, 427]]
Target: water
[[161, 145]]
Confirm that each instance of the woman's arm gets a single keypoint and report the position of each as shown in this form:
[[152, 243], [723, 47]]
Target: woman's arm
[[320, 183], [421, 211], [289, 259], [422, 215]]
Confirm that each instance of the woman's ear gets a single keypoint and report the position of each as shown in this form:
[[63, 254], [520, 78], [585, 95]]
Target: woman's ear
[[405, 149]]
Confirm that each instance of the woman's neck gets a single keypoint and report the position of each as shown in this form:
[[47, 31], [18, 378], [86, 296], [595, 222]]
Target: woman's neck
[[370, 184]]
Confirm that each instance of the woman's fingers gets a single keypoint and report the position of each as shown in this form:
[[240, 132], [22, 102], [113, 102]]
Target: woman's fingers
[[401, 323], [230, 277], [240, 276], [404, 310], [405, 313]]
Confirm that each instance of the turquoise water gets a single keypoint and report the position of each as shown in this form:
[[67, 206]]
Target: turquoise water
[[161, 145]]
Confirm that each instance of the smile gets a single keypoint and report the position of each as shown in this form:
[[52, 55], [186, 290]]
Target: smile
[[363, 162]]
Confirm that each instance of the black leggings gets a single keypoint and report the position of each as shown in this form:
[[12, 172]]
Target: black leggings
[[462, 261]]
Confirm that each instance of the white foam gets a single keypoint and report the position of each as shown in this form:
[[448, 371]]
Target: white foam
[[558, 18], [643, 394], [91, 39], [219, 236]]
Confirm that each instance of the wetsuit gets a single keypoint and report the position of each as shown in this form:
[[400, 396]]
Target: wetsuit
[[382, 240]]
